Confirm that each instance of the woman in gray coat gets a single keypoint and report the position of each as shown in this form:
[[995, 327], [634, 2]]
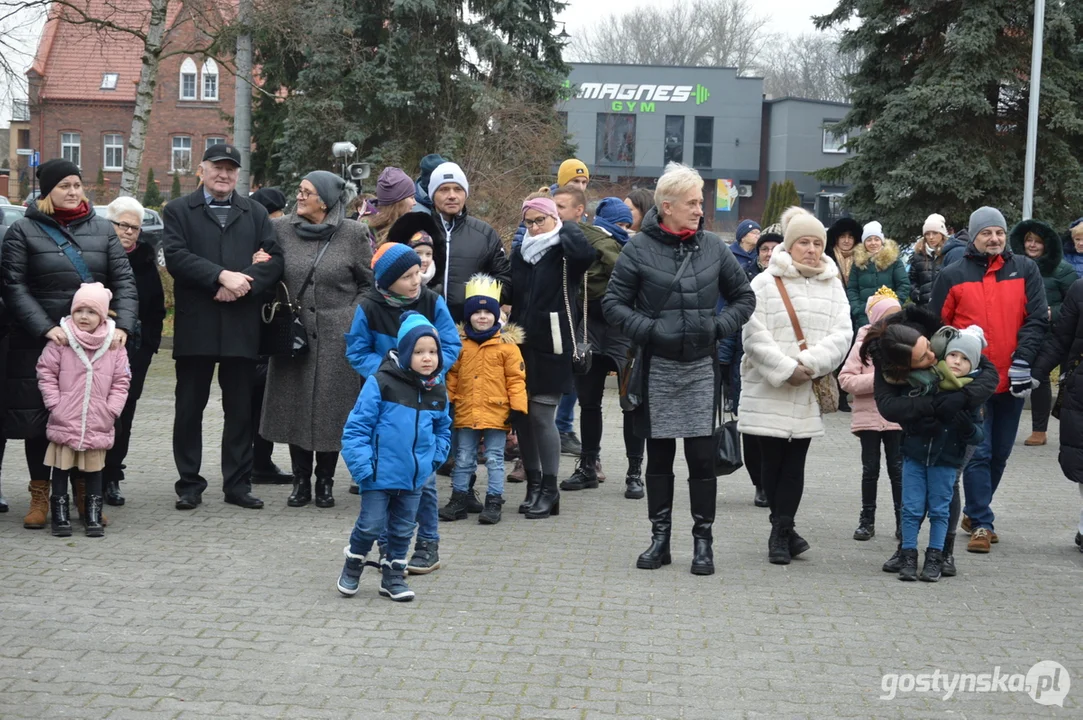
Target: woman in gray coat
[[309, 397]]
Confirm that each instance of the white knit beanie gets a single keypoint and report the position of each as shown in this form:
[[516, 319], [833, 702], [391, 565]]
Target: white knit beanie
[[446, 173], [873, 229], [935, 223], [798, 223]]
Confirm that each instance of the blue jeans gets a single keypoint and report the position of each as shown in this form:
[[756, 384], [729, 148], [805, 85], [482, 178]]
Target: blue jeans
[[566, 413], [926, 488], [385, 512], [466, 458], [982, 475], [426, 512]]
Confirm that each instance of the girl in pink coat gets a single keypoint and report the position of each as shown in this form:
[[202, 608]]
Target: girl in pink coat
[[84, 382], [867, 424]]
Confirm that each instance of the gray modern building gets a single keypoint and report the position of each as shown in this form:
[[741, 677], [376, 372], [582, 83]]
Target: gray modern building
[[628, 121]]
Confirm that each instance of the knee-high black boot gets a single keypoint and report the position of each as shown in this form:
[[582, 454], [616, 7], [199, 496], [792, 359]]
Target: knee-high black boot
[[301, 460], [703, 493], [660, 513]]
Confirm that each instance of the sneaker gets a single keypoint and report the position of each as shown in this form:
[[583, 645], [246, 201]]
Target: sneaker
[[934, 560], [908, 570], [894, 563], [393, 585], [350, 577], [570, 445], [979, 541], [965, 525], [518, 472], [426, 557], [456, 508], [491, 514]]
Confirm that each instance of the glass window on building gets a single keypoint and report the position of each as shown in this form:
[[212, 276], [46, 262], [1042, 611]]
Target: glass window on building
[[114, 152], [70, 146], [834, 144], [212, 141], [703, 150], [616, 140], [182, 154], [674, 147]]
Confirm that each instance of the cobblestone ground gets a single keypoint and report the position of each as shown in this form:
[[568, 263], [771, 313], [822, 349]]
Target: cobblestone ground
[[231, 613]]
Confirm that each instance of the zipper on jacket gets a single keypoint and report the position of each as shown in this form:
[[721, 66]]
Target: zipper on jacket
[[417, 426]]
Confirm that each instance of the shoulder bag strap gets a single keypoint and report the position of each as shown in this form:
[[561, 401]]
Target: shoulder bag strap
[[312, 270], [793, 315], [69, 250]]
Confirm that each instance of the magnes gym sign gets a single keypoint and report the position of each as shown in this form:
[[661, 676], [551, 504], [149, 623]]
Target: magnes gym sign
[[641, 98]]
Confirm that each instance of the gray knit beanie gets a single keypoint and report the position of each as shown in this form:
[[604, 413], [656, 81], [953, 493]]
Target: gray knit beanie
[[985, 217], [328, 186]]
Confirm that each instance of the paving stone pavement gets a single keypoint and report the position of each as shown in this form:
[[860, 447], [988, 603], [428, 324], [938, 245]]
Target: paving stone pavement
[[229, 613]]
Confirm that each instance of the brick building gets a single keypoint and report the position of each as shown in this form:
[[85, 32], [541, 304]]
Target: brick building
[[82, 94]]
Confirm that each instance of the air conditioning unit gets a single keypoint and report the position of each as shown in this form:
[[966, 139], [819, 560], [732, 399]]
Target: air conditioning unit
[[744, 191]]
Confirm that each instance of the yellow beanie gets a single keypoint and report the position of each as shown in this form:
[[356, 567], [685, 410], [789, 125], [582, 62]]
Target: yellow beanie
[[571, 169]]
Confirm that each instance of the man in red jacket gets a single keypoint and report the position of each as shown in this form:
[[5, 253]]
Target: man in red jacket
[[1004, 294]]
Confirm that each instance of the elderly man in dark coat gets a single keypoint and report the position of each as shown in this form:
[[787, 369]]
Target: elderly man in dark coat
[[211, 238]]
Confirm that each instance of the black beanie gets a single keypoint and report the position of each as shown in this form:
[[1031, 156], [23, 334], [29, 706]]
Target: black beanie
[[53, 171], [270, 198]]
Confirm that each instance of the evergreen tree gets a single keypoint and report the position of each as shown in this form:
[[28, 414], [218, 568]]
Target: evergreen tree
[[99, 187], [152, 197], [771, 209], [24, 187], [940, 109], [175, 190]]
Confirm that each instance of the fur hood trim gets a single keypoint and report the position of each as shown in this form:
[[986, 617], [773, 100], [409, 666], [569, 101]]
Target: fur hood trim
[[1054, 249], [884, 259], [509, 334]]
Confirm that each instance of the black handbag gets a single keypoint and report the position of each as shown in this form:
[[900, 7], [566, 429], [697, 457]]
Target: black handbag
[[632, 381], [282, 333], [1067, 370], [581, 352], [727, 442]]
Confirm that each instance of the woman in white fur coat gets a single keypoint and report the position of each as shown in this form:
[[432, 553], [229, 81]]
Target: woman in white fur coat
[[778, 411]]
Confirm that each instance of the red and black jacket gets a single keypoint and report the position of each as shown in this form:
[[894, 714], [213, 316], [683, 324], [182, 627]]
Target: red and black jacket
[[1004, 295]]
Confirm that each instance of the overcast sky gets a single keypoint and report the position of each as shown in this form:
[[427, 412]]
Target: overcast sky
[[789, 17]]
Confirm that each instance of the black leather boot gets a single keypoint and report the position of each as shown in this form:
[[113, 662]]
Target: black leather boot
[[660, 513], [94, 527], [760, 499], [703, 494], [947, 566], [112, 493], [302, 478], [473, 502], [866, 524], [585, 476], [533, 490], [894, 563], [797, 544], [633, 480], [58, 509], [778, 543], [324, 497], [548, 500]]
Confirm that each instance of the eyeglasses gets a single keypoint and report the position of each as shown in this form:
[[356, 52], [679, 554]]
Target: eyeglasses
[[125, 227], [305, 194], [538, 221]]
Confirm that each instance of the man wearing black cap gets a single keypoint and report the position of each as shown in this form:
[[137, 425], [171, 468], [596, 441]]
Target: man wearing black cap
[[210, 239]]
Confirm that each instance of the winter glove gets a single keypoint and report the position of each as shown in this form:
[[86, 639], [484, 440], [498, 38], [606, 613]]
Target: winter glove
[[515, 417], [947, 405], [1019, 379]]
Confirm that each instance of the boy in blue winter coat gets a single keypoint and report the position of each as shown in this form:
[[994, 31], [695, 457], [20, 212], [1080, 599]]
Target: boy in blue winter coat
[[398, 433], [399, 288]]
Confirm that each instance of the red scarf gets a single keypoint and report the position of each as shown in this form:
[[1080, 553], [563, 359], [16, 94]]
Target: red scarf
[[65, 216], [681, 235]]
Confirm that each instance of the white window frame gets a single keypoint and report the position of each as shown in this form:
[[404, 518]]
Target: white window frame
[[834, 144], [210, 70], [188, 70], [213, 140], [174, 149], [109, 81], [114, 142], [71, 147]]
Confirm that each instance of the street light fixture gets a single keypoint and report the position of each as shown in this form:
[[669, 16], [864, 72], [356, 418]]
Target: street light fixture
[[563, 34]]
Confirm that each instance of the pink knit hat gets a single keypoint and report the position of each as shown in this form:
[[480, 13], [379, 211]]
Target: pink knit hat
[[94, 296], [544, 205]]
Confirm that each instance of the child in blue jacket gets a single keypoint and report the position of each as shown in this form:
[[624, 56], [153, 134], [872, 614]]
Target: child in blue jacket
[[397, 434]]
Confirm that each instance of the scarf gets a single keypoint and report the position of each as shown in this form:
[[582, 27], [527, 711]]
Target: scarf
[[395, 300], [132, 248], [429, 382], [618, 233], [319, 231], [66, 216], [845, 261], [88, 340], [427, 275], [681, 235], [480, 337], [535, 247], [809, 271]]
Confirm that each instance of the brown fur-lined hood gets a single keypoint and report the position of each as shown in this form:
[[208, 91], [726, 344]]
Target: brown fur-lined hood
[[884, 259]]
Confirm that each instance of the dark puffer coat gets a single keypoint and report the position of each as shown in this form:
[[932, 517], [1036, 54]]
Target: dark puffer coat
[[1065, 345], [39, 284], [872, 272], [473, 247], [538, 308], [686, 327], [923, 271], [1056, 272]]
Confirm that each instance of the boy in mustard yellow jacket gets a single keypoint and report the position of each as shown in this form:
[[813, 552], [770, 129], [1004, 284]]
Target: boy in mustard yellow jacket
[[487, 384]]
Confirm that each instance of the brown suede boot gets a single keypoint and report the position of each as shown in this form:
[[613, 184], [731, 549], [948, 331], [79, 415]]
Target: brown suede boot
[[39, 505], [1036, 439], [78, 491]]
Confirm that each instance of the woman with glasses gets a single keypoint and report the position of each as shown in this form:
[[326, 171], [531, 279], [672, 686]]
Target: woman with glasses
[[126, 214], [309, 397], [57, 246]]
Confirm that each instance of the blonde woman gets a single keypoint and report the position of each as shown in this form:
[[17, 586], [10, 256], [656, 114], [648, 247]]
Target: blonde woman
[[394, 198]]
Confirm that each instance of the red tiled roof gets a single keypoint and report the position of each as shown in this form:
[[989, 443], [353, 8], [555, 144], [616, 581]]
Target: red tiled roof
[[72, 58]]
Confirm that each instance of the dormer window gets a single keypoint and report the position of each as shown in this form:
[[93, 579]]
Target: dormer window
[[109, 81]]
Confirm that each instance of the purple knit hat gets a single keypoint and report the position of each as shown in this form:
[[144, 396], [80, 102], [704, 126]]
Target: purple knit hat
[[394, 185]]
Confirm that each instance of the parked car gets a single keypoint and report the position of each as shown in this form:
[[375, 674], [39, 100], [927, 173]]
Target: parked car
[[11, 214], [4, 200], [152, 230]]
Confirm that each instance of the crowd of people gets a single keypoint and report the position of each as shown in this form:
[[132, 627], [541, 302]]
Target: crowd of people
[[420, 343]]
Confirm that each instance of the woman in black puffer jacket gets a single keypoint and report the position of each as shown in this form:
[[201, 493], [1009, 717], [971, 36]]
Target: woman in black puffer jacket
[[662, 295], [928, 259], [39, 284]]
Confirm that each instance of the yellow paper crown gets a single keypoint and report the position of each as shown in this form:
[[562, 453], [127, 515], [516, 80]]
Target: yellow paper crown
[[885, 291], [484, 285]]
